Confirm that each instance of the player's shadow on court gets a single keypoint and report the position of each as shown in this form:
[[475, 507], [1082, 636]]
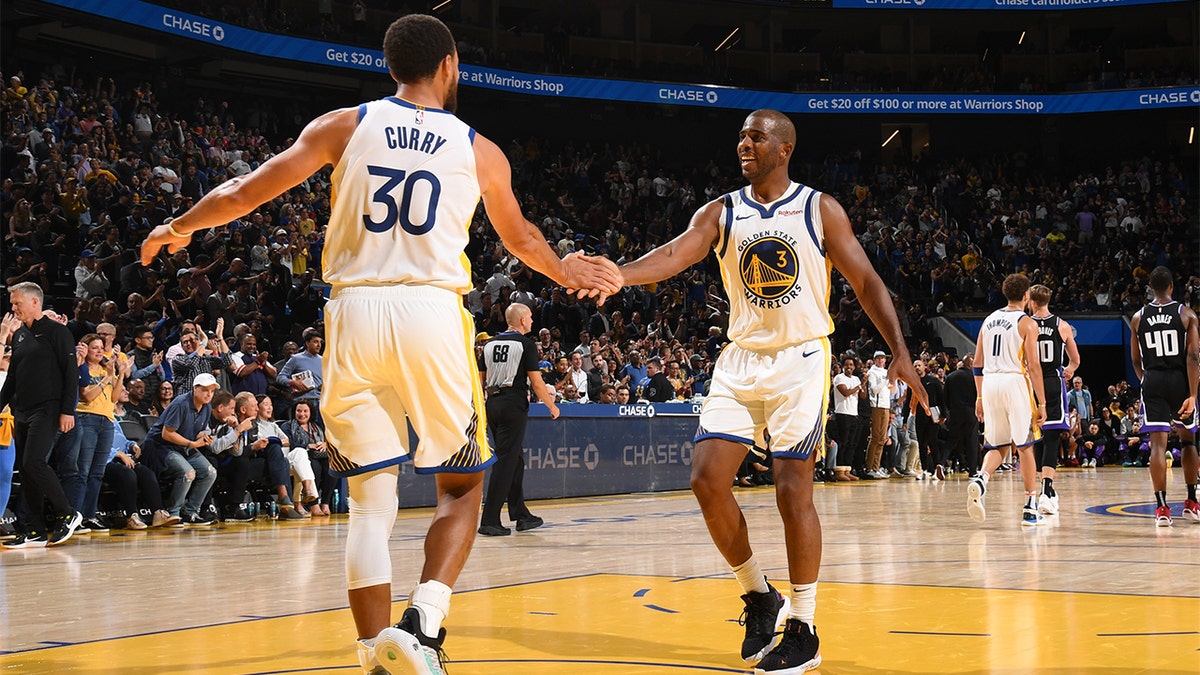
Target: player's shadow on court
[[596, 645]]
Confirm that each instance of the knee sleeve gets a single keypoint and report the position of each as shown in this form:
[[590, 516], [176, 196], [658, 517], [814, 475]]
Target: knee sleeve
[[373, 505]]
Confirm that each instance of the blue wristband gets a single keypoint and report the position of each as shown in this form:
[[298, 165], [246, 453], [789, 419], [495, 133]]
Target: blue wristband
[[977, 371]]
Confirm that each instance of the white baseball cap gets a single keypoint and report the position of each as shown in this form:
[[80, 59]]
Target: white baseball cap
[[205, 380]]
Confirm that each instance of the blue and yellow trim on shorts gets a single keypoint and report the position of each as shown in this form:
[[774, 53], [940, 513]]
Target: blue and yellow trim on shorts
[[475, 455], [815, 438]]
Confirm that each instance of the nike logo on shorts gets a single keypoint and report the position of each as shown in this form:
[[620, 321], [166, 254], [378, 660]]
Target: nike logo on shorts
[[808, 354]]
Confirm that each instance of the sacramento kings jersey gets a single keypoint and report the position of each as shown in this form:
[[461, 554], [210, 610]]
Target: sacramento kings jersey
[[1002, 342], [774, 267], [1051, 346], [404, 194], [1162, 338]]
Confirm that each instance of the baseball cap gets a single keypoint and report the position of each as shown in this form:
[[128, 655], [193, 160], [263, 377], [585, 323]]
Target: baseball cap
[[205, 380], [87, 253], [24, 249], [482, 336], [879, 354], [182, 272]]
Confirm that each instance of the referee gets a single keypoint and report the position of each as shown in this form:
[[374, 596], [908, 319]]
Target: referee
[[509, 367]]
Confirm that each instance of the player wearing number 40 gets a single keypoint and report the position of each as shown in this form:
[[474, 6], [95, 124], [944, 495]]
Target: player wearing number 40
[[407, 175]]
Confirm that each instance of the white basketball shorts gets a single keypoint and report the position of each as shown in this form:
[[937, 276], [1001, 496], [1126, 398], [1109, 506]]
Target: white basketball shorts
[[400, 355], [1008, 411], [774, 400]]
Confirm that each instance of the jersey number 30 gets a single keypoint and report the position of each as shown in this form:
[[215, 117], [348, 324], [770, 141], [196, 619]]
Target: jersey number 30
[[402, 212]]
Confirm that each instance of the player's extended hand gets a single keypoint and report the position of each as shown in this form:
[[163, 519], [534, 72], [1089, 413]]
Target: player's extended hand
[[159, 237], [902, 369], [1187, 409], [591, 276], [1040, 415], [553, 410]]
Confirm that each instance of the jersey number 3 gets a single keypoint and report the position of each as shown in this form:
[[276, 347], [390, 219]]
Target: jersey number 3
[[402, 212]]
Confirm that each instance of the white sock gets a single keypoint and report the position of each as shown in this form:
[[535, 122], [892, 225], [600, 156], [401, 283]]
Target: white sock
[[985, 477], [750, 576], [804, 602], [432, 600]]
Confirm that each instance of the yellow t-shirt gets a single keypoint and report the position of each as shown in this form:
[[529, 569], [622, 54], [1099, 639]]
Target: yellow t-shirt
[[102, 404]]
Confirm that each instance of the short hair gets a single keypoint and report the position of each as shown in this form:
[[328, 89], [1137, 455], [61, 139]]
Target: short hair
[[1039, 294], [89, 337], [608, 387], [414, 47], [655, 360], [221, 398], [243, 399], [516, 312], [28, 288], [1015, 286], [623, 388], [1161, 279], [142, 330]]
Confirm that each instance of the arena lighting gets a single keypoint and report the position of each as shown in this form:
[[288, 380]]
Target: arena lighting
[[889, 139], [1022, 38], [727, 37], [1191, 135], [441, 4]]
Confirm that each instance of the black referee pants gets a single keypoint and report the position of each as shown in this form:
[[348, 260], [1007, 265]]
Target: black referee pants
[[507, 416]]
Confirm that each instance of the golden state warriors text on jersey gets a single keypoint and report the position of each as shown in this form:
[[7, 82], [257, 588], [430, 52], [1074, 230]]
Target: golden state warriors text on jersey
[[404, 194], [774, 267]]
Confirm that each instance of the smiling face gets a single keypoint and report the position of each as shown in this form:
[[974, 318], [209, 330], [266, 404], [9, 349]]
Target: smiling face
[[764, 144]]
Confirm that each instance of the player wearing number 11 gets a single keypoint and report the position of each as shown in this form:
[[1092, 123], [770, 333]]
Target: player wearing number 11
[[407, 177], [1165, 356]]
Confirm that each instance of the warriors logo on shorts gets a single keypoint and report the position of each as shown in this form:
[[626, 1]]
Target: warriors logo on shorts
[[768, 268]]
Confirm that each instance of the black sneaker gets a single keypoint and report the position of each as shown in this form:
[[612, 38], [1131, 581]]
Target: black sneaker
[[197, 520], [763, 613], [93, 524], [65, 529], [798, 651], [241, 515], [494, 530], [404, 648], [27, 540], [529, 523]]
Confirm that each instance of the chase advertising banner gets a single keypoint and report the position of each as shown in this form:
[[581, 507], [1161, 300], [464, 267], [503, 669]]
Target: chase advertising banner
[[594, 449], [370, 60]]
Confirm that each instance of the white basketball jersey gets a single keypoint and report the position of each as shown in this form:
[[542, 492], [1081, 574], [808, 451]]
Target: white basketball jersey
[[404, 194], [1002, 343], [774, 267]]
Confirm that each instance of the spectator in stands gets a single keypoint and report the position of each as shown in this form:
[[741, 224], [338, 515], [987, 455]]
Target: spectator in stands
[[146, 362], [305, 433], [655, 387], [296, 455], [303, 374], [89, 444], [162, 397], [252, 369], [201, 355], [90, 280], [172, 449], [129, 478]]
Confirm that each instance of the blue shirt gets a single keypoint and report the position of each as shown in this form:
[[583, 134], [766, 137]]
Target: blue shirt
[[635, 373], [183, 417], [299, 363]]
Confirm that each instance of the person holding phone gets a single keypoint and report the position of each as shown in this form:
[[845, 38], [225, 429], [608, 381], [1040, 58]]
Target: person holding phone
[[201, 355]]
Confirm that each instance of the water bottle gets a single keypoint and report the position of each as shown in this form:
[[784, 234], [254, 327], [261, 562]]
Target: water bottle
[[274, 510], [337, 501]]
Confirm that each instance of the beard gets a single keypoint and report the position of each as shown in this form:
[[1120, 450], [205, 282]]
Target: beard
[[451, 103], [763, 166]]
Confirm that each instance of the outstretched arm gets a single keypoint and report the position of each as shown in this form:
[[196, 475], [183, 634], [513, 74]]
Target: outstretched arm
[[322, 142], [594, 276], [849, 258], [681, 252]]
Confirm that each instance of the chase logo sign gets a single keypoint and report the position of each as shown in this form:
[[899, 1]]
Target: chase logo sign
[[638, 410], [193, 26], [688, 95]]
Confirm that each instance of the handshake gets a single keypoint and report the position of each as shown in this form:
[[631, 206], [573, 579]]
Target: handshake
[[590, 276]]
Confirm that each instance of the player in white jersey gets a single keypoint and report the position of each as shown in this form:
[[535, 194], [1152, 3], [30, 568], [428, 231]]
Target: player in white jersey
[[777, 242], [1012, 396], [407, 178]]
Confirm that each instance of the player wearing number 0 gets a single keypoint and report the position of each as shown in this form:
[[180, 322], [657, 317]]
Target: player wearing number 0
[[407, 178], [1056, 339], [1166, 357], [1008, 374]]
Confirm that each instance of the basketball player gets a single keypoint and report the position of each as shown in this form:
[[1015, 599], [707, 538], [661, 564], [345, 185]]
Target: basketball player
[[1055, 337], [1008, 373], [1166, 359], [777, 242], [407, 177]]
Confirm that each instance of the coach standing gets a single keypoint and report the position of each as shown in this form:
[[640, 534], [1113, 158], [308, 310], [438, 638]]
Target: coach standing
[[42, 386], [509, 367], [961, 424]]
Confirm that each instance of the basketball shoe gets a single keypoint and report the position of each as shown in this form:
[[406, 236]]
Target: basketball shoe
[[404, 649], [1191, 510], [1030, 516], [798, 651], [1162, 516], [1047, 504], [763, 613], [975, 492]]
